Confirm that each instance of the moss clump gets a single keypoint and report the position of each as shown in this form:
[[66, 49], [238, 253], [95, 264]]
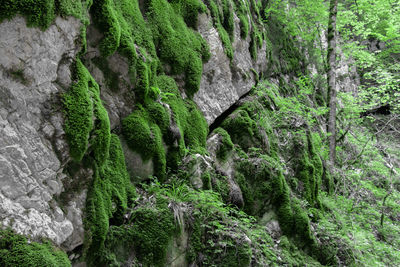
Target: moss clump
[[16, 251], [107, 200], [189, 10], [79, 112], [244, 26], [152, 125], [144, 136], [190, 121], [81, 103], [178, 46], [41, 13], [226, 144], [148, 233], [241, 128], [37, 13]]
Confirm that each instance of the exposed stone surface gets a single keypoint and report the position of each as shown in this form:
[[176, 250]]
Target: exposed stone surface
[[224, 82], [34, 69]]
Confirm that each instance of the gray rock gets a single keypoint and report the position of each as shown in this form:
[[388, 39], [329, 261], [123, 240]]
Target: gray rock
[[224, 82], [33, 65]]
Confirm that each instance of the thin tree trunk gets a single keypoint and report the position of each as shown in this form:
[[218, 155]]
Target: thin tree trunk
[[332, 92]]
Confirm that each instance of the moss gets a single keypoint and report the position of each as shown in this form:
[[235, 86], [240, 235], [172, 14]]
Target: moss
[[223, 22], [148, 233], [82, 103], [227, 21], [309, 167], [226, 144], [78, 107], [100, 135], [107, 200], [244, 26], [241, 128], [195, 129], [39, 13], [220, 184], [159, 115], [178, 46], [145, 137], [247, 192], [189, 10], [239, 255], [15, 250], [142, 82]]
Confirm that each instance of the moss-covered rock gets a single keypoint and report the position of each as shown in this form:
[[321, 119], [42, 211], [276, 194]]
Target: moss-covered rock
[[107, 200], [16, 250]]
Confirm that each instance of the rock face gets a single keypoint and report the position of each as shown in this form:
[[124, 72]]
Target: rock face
[[223, 81], [34, 70]]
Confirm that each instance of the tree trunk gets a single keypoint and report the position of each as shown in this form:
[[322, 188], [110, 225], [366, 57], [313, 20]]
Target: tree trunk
[[331, 70]]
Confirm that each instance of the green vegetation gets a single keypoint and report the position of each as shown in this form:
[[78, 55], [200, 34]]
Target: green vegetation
[[226, 144], [107, 201], [271, 197], [15, 250], [149, 233]]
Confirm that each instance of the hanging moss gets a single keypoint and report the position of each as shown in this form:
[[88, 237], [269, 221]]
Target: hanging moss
[[107, 200], [81, 103], [244, 26], [15, 250], [221, 19], [79, 112]]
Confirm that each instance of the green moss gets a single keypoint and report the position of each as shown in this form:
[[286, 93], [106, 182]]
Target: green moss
[[239, 255], [178, 46], [192, 125], [100, 135], [159, 115], [241, 128], [309, 168], [148, 233], [145, 137], [15, 250], [226, 144], [164, 31], [244, 26], [79, 112], [189, 10], [142, 82], [81, 103], [247, 192], [223, 22], [227, 21], [107, 200], [39, 13]]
